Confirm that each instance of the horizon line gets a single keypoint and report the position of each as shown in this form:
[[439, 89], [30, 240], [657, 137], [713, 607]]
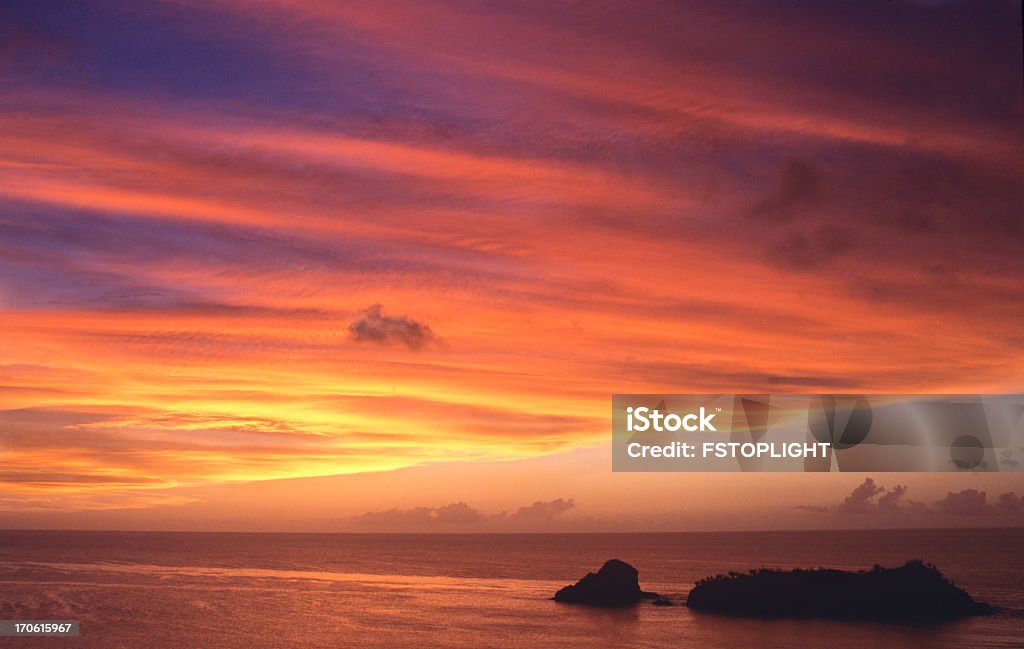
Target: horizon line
[[523, 533]]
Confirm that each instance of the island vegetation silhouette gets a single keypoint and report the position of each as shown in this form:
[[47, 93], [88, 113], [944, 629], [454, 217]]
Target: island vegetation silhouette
[[616, 584], [915, 592]]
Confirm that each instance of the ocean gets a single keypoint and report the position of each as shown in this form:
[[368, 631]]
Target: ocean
[[144, 590]]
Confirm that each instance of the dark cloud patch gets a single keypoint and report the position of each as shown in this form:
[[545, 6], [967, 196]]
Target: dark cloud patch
[[461, 516], [969, 502], [942, 224], [798, 185], [861, 499], [457, 513], [891, 500], [817, 509], [911, 220], [807, 250], [396, 518], [871, 498], [26, 50], [1010, 503], [374, 326], [541, 511]]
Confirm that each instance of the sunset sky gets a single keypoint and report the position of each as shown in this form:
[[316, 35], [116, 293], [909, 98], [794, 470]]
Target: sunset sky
[[417, 246]]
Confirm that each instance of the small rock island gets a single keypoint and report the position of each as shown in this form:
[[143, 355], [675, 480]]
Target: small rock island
[[616, 584], [915, 592]]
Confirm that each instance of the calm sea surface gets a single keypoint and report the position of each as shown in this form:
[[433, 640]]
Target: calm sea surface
[[147, 590]]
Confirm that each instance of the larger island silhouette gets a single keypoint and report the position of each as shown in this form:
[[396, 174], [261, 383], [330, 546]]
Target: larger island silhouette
[[914, 592]]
